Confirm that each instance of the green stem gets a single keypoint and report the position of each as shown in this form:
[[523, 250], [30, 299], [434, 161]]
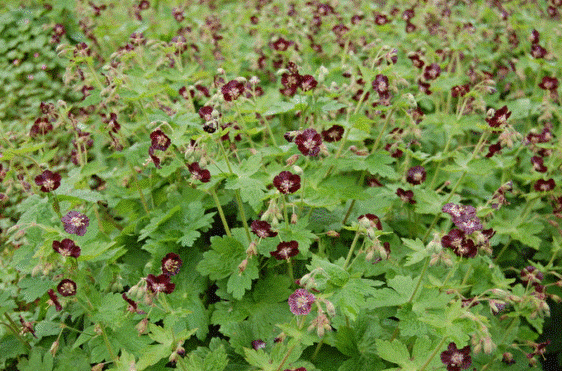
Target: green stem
[[108, 344], [350, 253], [243, 215], [14, 328], [317, 350], [289, 351], [422, 274], [435, 351], [503, 249], [285, 214], [221, 212], [290, 271], [143, 200]]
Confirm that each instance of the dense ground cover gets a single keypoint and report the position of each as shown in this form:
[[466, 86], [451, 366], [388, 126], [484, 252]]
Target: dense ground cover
[[280, 186]]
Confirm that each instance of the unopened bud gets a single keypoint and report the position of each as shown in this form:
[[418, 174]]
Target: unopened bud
[[294, 218], [488, 345], [141, 326], [330, 308], [333, 234], [556, 298], [291, 160], [221, 71], [173, 358], [252, 249], [98, 367], [242, 266], [297, 170], [254, 80], [54, 348]]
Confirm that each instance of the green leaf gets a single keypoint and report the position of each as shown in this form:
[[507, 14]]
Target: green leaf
[[239, 283], [34, 287], [252, 190], [39, 359], [223, 259], [378, 163], [395, 351], [152, 355], [420, 251], [402, 289], [156, 221]]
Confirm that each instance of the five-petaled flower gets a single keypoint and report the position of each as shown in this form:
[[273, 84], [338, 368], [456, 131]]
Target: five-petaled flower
[[286, 250], [456, 359], [66, 287], [308, 142], [432, 71], [416, 175], [333, 134], [258, 344], [203, 175], [287, 182], [300, 302], [66, 247], [160, 283], [75, 223], [171, 264], [370, 221], [48, 181], [499, 118], [262, 229], [406, 196], [232, 90], [544, 185], [159, 140]]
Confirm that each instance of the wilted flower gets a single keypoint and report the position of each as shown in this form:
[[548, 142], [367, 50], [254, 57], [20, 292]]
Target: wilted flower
[[132, 307], [538, 164], [406, 196], [48, 181], [171, 264], [66, 247], [370, 221], [432, 71], [300, 302], [531, 274], [286, 182], [54, 300], [66, 287], [75, 223]]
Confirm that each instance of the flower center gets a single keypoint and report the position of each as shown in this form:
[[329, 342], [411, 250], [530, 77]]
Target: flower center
[[67, 288], [309, 144], [171, 265], [49, 184], [76, 221], [285, 185], [457, 359]]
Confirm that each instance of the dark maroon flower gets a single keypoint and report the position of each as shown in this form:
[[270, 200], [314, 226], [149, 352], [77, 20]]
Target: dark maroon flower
[[203, 175], [460, 90], [66, 287], [144, 4], [286, 250], [232, 90], [408, 14], [454, 239], [538, 51], [416, 175], [41, 126], [54, 300], [75, 223], [160, 140], [206, 113], [538, 164], [340, 30], [281, 44], [48, 181], [432, 71], [493, 149], [160, 283], [258, 344], [535, 37], [424, 87], [544, 185], [155, 159], [300, 302], [549, 83], [171, 264], [178, 14], [308, 82], [456, 359], [203, 90], [500, 117], [262, 229], [381, 19], [286, 182], [380, 84], [59, 30], [370, 221], [111, 122], [308, 142], [406, 196], [459, 211], [291, 80], [333, 134], [66, 247], [416, 61], [468, 225], [531, 275], [132, 307]]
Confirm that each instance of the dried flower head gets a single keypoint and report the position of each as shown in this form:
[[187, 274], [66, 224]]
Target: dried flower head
[[132, 307], [54, 300], [300, 302]]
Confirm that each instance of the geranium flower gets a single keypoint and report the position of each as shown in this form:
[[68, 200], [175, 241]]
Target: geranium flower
[[203, 175], [67, 287], [531, 274], [160, 283], [262, 229], [380, 84], [41, 126], [286, 250], [406, 196], [544, 185], [538, 164], [370, 221], [75, 223], [132, 307], [54, 300], [48, 181], [308, 82], [333, 134], [300, 302], [432, 71], [258, 344], [232, 90], [456, 359], [308, 142], [549, 83], [66, 247], [500, 117], [286, 182], [160, 140], [171, 264], [416, 175]]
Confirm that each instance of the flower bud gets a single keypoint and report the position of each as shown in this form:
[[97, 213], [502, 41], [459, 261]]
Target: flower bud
[[330, 308], [294, 218], [242, 266], [252, 249], [54, 348], [332, 233], [98, 367], [291, 160], [141, 326]]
